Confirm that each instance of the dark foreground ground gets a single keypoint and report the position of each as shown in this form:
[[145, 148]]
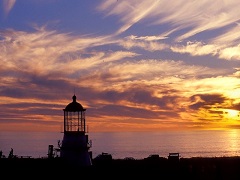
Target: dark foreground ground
[[159, 168]]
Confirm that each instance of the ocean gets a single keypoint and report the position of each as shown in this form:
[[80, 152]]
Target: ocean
[[138, 145]]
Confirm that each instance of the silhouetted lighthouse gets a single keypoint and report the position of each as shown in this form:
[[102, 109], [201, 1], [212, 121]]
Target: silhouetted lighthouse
[[75, 144]]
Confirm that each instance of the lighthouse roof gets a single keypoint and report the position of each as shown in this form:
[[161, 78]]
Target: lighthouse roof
[[74, 105]]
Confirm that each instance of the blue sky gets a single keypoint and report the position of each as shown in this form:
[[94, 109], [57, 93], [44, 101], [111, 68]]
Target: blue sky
[[134, 65]]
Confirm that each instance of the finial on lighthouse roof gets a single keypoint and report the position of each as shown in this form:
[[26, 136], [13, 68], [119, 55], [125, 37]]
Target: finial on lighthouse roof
[[74, 98]]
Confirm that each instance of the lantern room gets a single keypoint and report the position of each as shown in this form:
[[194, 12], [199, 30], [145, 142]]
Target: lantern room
[[74, 117]]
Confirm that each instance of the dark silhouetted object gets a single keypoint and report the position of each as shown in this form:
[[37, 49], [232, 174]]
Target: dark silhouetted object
[[173, 157], [75, 144], [10, 153], [50, 151]]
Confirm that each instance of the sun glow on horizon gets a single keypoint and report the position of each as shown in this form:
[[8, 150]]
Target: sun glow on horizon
[[232, 114]]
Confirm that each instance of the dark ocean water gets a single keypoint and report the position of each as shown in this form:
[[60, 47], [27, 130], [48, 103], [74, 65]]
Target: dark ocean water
[[131, 144]]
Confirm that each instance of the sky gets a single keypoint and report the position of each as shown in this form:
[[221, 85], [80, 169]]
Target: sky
[[135, 65]]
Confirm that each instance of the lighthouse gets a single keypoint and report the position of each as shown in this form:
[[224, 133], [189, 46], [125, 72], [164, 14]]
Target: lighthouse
[[75, 144]]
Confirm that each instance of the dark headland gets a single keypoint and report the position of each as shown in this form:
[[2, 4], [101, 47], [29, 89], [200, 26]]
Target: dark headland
[[152, 167]]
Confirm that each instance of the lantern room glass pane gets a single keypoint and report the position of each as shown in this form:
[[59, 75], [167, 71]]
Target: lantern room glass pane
[[74, 121]]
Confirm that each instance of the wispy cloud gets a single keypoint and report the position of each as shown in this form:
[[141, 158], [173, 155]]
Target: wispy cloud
[[131, 12], [7, 6], [196, 49], [194, 17]]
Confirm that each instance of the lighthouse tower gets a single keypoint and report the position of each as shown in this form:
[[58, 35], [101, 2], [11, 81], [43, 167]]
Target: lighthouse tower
[[75, 144]]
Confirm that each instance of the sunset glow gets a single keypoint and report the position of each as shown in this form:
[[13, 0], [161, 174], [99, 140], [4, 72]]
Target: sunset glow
[[135, 65], [233, 114]]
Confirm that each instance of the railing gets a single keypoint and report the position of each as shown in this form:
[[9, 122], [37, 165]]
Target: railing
[[89, 144]]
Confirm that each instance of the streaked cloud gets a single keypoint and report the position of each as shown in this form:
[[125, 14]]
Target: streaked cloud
[[131, 12], [196, 49], [194, 17], [7, 6]]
